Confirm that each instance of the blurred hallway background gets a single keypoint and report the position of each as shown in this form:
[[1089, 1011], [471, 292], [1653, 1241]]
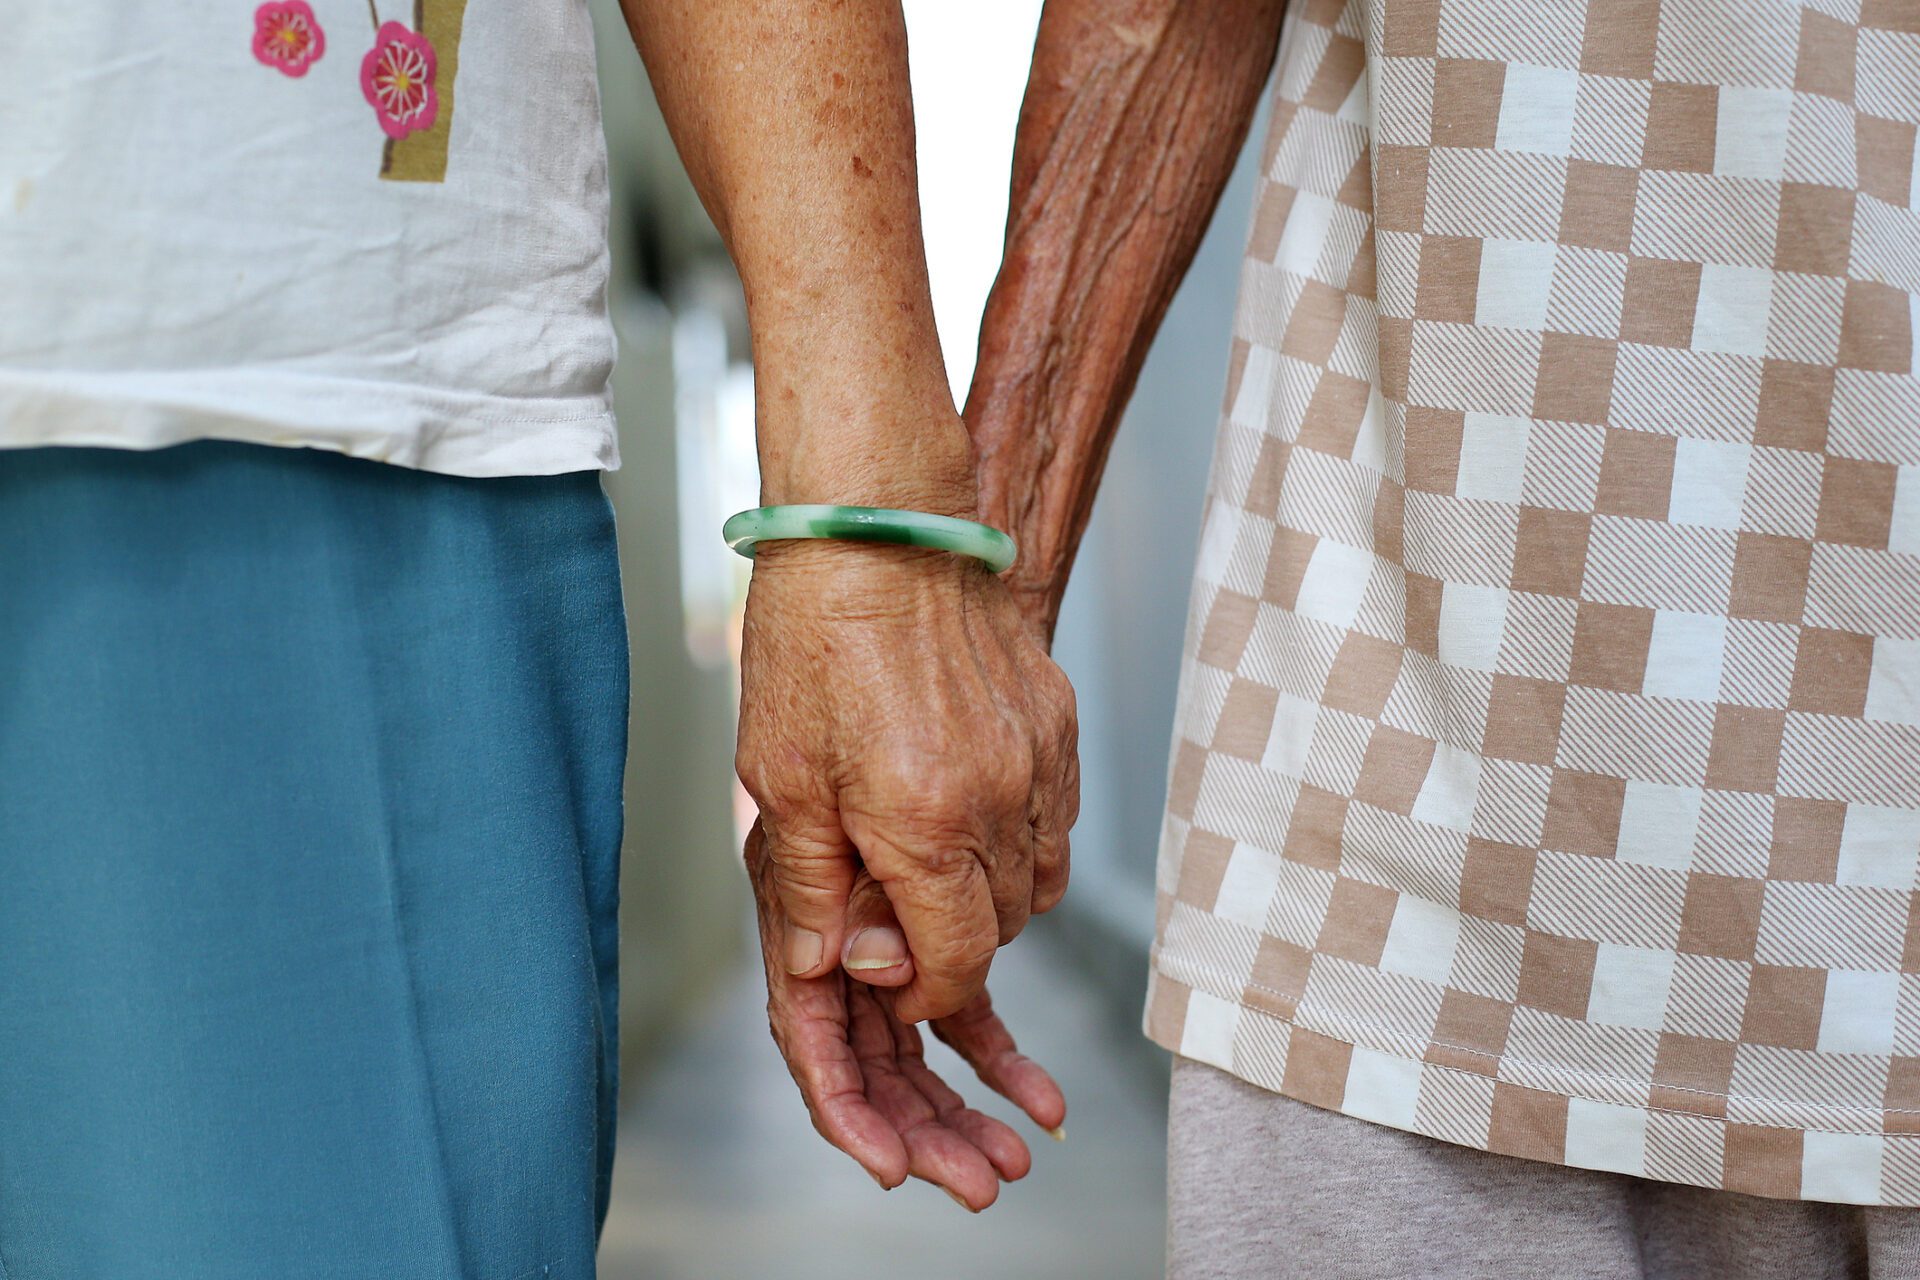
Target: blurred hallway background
[[719, 1173]]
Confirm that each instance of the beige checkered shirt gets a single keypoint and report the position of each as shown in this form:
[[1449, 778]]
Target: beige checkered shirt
[[1547, 768]]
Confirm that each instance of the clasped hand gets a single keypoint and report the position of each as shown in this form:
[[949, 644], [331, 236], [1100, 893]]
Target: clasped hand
[[912, 751]]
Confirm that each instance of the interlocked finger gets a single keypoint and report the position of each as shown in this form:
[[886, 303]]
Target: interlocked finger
[[978, 1035], [935, 1152]]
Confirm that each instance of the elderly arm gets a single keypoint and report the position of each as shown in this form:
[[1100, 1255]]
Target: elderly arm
[[1134, 114], [795, 124]]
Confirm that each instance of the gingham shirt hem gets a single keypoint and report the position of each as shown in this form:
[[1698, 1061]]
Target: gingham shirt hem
[[1552, 1113]]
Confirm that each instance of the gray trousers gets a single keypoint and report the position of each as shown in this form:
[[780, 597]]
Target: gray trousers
[[1262, 1186]]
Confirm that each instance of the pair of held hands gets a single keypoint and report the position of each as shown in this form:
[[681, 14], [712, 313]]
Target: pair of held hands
[[912, 750]]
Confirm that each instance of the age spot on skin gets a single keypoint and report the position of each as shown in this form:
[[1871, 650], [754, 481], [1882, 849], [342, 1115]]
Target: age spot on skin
[[862, 168]]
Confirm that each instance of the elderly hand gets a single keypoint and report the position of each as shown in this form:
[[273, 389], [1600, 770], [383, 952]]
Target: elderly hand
[[912, 750], [862, 1073], [898, 714]]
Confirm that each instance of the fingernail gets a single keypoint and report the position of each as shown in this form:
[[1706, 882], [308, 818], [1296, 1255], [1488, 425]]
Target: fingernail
[[803, 949], [876, 948], [1058, 1133], [878, 1181], [956, 1198]]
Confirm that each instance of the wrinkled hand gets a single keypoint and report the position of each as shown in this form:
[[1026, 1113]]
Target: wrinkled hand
[[899, 715], [862, 1073]]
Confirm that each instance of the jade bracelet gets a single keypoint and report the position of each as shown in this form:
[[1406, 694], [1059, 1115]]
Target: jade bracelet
[[750, 528]]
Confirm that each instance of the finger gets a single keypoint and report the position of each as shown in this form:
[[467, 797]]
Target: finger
[[1055, 803], [998, 1143], [809, 1022], [978, 1035], [1002, 1147], [1003, 809], [911, 817], [935, 1153], [875, 951], [1009, 868], [928, 830], [1052, 844], [1056, 807], [809, 1027], [947, 914], [812, 870]]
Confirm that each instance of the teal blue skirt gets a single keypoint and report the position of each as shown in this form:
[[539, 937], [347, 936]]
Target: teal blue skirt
[[310, 775]]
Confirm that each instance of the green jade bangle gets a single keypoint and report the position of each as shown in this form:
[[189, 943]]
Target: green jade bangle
[[748, 529]]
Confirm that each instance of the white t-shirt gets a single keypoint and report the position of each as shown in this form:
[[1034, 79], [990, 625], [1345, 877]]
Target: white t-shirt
[[282, 223]]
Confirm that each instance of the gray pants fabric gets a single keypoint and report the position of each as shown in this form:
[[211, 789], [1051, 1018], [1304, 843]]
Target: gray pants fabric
[[1260, 1185]]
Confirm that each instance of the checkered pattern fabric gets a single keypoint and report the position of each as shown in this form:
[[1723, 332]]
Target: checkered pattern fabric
[[1547, 769]]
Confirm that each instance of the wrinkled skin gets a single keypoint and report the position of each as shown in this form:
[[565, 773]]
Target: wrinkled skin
[[912, 750], [865, 1080], [899, 715]]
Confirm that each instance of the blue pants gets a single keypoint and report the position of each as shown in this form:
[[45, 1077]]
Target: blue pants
[[310, 776]]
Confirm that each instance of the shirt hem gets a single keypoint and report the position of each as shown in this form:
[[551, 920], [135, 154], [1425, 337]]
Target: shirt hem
[[1256, 1051], [415, 427]]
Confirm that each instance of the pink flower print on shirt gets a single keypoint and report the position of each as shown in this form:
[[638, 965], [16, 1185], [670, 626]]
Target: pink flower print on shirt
[[287, 37], [397, 77]]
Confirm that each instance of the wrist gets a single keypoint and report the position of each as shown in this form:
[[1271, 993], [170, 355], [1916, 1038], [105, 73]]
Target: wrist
[[903, 461]]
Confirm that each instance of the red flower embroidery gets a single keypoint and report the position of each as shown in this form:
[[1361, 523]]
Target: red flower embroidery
[[287, 37], [397, 77]]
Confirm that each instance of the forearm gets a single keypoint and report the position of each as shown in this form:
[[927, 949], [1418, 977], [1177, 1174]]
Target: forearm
[[1134, 114], [795, 122]]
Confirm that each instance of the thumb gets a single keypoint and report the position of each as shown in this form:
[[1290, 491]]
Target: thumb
[[876, 948], [812, 876]]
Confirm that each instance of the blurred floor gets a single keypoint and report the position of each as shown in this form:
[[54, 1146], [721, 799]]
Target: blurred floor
[[720, 1176]]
